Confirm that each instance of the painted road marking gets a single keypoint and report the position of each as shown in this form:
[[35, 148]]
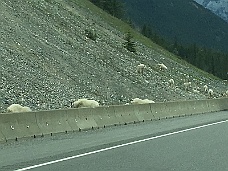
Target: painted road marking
[[118, 146]]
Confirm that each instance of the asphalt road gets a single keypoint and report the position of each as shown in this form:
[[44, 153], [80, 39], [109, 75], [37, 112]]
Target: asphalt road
[[157, 145]]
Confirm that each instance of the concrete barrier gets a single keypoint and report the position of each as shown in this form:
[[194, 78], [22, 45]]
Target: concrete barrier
[[218, 104], [30, 124], [223, 103], [191, 107], [181, 108], [178, 108], [126, 114], [53, 121], [143, 112], [19, 125], [184, 108], [73, 119], [105, 116], [2, 137], [81, 118], [199, 106], [159, 110]]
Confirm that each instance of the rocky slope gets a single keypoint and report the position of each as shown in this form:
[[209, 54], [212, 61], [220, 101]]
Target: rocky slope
[[46, 60]]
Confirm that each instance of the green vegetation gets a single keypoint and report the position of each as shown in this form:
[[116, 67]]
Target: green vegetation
[[129, 44], [214, 62], [91, 34], [211, 61], [183, 20], [203, 57], [113, 7]]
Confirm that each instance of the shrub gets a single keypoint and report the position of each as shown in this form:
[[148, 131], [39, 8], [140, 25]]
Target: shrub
[[129, 44], [91, 34]]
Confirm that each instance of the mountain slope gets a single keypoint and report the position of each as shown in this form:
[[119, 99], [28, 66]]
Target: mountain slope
[[220, 7], [183, 20], [47, 60]]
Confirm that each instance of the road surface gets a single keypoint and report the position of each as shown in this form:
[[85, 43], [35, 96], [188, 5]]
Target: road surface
[[181, 144]]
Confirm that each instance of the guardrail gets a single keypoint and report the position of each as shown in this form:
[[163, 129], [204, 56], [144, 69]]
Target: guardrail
[[40, 123]]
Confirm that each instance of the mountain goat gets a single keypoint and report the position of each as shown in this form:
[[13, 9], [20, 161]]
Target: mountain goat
[[162, 66], [225, 94], [171, 82], [85, 103], [187, 85], [210, 92], [141, 101], [205, 88], [16, 108], [140, 68]]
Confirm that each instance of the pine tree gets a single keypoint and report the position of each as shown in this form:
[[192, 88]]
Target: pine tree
[[129, 44], [146, 31]]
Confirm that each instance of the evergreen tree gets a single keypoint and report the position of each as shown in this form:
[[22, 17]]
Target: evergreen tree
[[129, 44], [146, 31], [205, 59]]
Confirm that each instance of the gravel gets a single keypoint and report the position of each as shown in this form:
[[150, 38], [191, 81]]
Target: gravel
[[46, 60]]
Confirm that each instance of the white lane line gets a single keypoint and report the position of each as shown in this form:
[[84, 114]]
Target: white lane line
[[118, 146]]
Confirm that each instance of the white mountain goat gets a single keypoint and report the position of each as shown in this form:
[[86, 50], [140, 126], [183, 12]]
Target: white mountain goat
[[162, 67], [171, 82], [141, 101], [16, 108], [210, 92], [225, 94], [85, 103], [140, 68], [187, 85], [205, 88]]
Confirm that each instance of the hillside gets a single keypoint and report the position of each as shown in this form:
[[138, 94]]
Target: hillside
[[220, 8], [183, 20], [47, 61]]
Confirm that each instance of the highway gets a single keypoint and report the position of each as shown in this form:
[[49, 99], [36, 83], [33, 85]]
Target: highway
[[189, 143]]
